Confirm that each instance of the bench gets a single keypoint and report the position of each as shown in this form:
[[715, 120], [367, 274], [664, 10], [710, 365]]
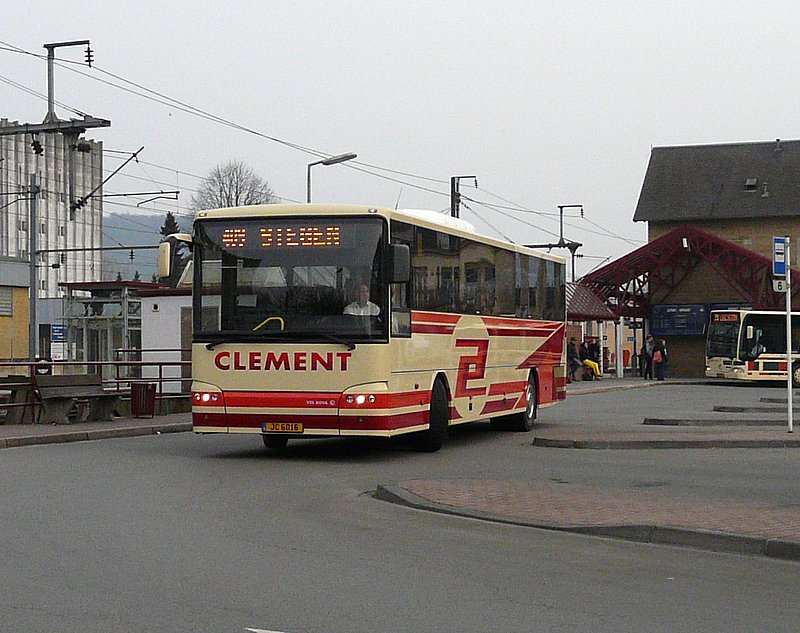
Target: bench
[[15, 397], [74, 398]]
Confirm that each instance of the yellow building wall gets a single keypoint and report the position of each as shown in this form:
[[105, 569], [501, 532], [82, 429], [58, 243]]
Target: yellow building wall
[[14, 329]]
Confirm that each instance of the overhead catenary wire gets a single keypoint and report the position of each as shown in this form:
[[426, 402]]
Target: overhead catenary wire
[[364, 167]]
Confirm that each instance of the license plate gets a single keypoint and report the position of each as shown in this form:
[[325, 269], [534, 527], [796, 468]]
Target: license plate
[[282, 427], [720, 375]]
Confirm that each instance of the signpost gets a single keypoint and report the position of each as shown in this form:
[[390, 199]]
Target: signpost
[[782, 282]]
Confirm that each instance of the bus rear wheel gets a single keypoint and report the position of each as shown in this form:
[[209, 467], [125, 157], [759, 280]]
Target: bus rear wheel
[[431, 440], [796, 375], [275, 442]]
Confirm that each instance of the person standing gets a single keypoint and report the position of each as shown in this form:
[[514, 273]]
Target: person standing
[[660, 358], [573, 360], [647, 357]]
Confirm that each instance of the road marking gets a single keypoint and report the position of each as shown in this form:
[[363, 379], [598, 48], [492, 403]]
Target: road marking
[[260, 630]]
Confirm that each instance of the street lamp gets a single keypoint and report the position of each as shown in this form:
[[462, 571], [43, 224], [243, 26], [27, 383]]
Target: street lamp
[[340, 158]]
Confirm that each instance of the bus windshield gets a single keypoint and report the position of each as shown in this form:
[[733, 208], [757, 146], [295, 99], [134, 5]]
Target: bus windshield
[[723, 335], [290, 279]]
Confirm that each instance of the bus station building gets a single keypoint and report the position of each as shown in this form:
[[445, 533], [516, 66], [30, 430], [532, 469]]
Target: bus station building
[[712, 212]]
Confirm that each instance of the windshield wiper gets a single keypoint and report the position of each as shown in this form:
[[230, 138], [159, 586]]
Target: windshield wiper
[[212, 344], [348, 344]]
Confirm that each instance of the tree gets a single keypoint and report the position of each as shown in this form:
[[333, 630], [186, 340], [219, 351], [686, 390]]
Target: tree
[[233, 184], [170, 225], [179, 257]]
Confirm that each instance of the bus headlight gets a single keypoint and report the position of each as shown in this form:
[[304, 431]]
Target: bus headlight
[[206, 398], [359, 399]]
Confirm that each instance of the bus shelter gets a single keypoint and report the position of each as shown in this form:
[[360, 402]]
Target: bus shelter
[[99, 318]]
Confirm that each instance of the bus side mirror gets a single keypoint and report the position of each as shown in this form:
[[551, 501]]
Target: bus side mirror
[[166, 252], [399, 264]]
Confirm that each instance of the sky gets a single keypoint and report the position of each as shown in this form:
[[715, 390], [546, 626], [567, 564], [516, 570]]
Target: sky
[[546, 103]]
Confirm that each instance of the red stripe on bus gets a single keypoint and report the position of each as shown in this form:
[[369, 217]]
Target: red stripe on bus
[[391, 400], [317, 422], [496, 331], [283, 400], [494, 406], [424, 328], [316, 400], [502, 388], [435, 317], [508, 322], [254, 420], [392, 422]]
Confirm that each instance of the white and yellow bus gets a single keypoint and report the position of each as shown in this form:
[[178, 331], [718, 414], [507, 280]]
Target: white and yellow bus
[[332, 320], [751, 345]]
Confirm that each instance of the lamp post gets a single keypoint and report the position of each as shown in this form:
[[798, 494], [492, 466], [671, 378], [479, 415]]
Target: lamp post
[[340, 158]]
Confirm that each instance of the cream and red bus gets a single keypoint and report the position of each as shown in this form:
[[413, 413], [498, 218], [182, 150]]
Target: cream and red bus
[[751, 345], [457, 327]]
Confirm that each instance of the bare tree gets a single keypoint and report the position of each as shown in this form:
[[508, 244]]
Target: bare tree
[[233, 184]]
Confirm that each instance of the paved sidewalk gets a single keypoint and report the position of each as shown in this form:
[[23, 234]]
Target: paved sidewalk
[[635, 514], [15, 435], [649, 517], [741, 427]]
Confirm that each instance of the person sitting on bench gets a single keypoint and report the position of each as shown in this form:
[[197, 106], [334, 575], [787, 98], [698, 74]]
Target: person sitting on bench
[[586, 359]]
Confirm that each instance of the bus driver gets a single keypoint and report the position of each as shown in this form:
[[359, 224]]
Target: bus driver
[[362, 306]]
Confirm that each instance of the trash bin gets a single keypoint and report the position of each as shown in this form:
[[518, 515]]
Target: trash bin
[[143, 399], [43, 366]]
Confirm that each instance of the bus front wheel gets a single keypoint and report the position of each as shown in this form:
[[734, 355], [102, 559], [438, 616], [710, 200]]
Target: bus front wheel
[[431, 440], [796, 375]]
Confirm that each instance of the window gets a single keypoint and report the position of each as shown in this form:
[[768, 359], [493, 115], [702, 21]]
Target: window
[[462, 276], [6, 301]]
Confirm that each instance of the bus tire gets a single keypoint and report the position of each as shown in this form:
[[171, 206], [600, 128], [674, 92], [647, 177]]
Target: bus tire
[[275, 442], [796, 375], [431, 440], [525, 420]]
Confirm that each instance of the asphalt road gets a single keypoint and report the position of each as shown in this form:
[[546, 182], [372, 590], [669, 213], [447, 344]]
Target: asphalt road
[[214, 534]]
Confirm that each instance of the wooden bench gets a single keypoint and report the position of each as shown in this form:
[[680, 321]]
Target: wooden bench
[[16, 399], [74, 398]]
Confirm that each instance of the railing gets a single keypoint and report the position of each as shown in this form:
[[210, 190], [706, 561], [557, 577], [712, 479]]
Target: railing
[[18, 382]]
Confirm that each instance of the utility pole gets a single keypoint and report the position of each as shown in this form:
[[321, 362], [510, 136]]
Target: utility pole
[[71, 129], [572, 246], [33, 334], [455, 195]]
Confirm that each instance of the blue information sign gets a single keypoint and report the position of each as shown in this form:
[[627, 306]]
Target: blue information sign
[[679, 319], [58, 333], [779, 257]]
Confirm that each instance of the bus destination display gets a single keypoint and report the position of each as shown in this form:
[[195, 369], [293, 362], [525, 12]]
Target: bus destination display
[[280, 237]]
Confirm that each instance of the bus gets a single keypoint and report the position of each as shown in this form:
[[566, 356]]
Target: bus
[[751, 345], [457, 326]]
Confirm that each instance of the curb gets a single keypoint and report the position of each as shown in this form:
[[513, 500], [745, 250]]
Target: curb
[[652, 534], [544, 442], [610, 386], [714, 422], [94, 434]]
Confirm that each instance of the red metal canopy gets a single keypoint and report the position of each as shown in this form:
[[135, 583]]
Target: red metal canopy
[[649, 275]]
